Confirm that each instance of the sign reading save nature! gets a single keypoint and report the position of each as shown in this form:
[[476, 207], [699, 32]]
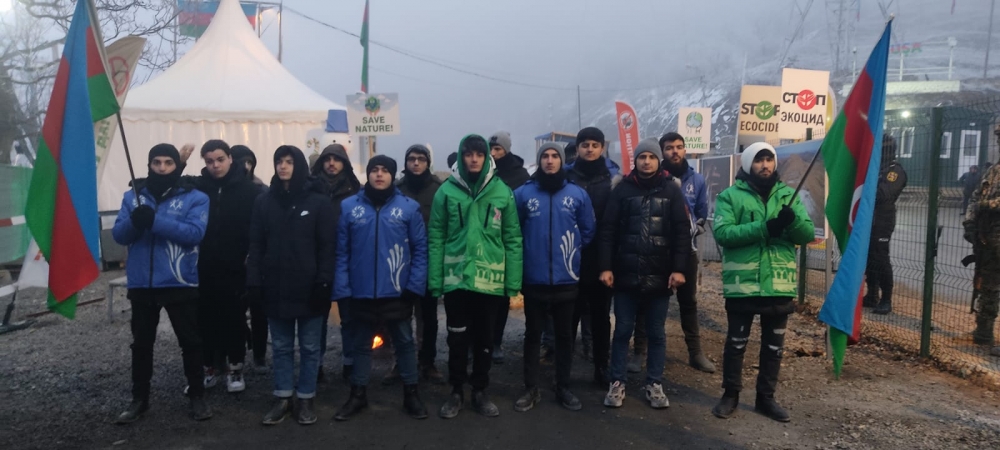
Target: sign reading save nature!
[[803, 102], [373, 114], [695, 124]]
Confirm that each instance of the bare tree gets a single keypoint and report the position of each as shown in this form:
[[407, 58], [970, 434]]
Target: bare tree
[[30, 45]]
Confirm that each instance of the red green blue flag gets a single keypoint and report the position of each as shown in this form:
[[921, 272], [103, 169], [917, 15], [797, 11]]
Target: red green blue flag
[[852, 152], [61, 211], [194, 16]]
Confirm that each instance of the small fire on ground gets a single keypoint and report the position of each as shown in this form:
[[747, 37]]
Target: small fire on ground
[[377, 342]]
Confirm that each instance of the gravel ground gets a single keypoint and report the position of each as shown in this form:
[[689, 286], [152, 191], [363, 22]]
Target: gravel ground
[[62, 383]]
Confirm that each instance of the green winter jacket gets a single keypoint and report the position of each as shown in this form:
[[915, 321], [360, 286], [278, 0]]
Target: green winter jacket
[[753, 263], [473, 236]]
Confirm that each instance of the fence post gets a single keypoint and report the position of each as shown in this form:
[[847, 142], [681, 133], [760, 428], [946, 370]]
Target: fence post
[[930, 247], [804, 250]]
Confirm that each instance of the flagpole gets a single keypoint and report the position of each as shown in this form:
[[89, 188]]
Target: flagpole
[[808, 169], [128, 156]]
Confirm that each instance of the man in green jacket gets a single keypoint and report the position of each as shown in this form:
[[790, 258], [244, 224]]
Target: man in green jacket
[[758, 223], [475, 254]]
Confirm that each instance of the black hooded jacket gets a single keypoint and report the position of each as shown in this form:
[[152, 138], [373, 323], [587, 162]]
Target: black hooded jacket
[[645, 235], [223, 253], [292, 244], [346, 183], [511, 170], [598, 187]]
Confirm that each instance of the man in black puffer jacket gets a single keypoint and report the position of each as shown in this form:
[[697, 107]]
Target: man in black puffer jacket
[[420, 184], [334, 176], [510, 169], [290, 269], [222, 261], [597, 175], [645, 241]]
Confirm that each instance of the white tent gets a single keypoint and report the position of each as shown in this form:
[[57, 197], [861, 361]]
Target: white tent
[[228, 86]]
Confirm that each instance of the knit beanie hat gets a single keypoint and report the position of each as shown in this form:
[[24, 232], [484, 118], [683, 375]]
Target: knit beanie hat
[[501, 138], [748, 155], [384, 161], [648, 145], [165, 150], [590, 134], [551, 146]]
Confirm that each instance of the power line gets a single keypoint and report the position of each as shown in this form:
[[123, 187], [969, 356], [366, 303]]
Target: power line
[[437, 62]]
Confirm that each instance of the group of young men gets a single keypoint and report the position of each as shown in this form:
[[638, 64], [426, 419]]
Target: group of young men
[[574, 239]]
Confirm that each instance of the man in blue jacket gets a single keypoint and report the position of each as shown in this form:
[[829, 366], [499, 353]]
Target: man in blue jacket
[[696, 195], [383, 282], [557, 221], [162, 229]]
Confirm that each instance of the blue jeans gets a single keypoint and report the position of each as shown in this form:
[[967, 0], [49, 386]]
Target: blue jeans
[[402, 341], [346, 331], [626, 307], [283, 333]]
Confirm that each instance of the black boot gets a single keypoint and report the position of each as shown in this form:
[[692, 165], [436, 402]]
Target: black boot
[[568, 400], [484, 405], [870, 300], [355, 403], [884, 307], [412, 403], [133, 412], [770, 408], [698, 360], [727, 405], [528, 400], [601, 378], [199, 409], [281, 408], [305, 414], [450, 408]]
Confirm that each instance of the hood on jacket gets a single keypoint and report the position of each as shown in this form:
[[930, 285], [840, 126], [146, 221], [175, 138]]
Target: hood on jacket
[[300, 175], [335, 150], [460, 174], [242, 154]]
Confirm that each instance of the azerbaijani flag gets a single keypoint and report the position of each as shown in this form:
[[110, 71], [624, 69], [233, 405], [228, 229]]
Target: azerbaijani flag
[[851, 153], [62, 198], [364, 43], [194, 16]]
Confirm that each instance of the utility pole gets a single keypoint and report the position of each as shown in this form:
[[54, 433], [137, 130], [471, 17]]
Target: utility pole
[[989, 37], [281, 14], [579, 108]]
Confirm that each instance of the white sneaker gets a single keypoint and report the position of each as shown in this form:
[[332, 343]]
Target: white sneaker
[[234, 379], [616, 394], [210, 378], [654, 394]]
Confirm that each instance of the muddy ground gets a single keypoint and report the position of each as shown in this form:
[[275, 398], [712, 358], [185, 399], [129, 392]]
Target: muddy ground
[[63, 382]]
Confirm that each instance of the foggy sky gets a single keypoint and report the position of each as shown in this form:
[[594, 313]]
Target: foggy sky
[[596, 44]]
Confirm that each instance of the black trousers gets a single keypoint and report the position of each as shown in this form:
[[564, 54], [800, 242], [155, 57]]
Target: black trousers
[[536, 311], [500, 322], [258, 331], [878, 274], [426, 312], [687, 302], [471, 320], [222, 308], [772, 342], [184, 319], [595, 297]]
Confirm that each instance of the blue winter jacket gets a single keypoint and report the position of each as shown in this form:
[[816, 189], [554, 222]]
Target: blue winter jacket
[[555, 227], [167, 255], [380, 252], [695, 193]]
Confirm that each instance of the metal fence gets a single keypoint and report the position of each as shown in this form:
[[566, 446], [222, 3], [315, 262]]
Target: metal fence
[[932, 314]]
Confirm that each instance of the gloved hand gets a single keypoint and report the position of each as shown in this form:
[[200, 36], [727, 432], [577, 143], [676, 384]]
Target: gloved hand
[[320, 297], [142, 217], [778, 224]]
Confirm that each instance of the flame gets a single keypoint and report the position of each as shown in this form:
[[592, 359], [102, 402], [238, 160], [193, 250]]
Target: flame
[[377, 342]]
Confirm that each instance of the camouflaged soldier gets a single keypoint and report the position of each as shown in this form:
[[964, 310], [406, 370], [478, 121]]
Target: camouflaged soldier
[[982, 229]]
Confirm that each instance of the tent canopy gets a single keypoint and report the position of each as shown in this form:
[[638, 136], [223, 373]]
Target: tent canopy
[[228, 75], [228, 86]]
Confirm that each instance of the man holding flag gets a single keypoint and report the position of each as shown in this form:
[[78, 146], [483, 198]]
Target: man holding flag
[[758, 222]]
